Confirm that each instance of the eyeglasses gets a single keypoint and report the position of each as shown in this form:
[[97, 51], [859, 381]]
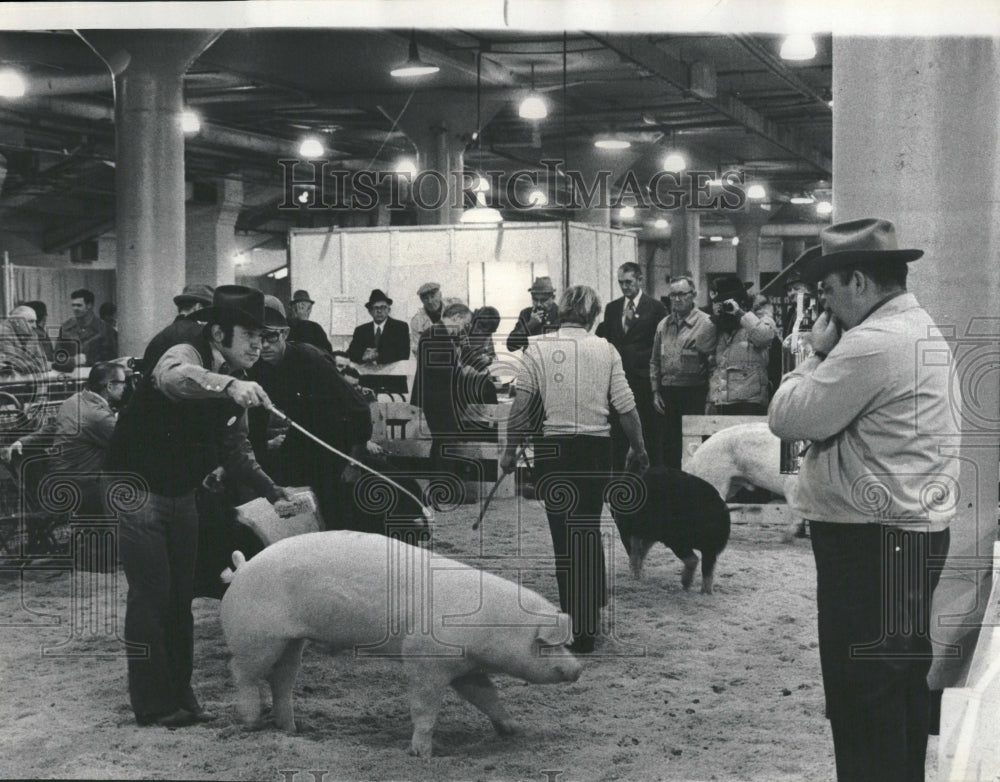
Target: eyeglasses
[[681, 295], [116, 382], [271, 337]]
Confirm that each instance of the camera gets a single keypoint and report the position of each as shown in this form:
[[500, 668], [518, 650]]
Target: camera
[[729, 307]]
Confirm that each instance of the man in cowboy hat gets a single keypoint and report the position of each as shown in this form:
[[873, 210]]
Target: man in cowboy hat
[[194, 297], [683, 345], [384, 340], [738, 383], [300, 328], [877, 491], [541, 316], [186, 418]]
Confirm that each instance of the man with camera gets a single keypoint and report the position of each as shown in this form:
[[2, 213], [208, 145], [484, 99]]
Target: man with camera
[[878, 491], [738, 383], [541, 317]]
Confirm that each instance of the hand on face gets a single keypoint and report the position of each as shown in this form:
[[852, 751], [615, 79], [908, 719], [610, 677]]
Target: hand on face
[[825, 333]]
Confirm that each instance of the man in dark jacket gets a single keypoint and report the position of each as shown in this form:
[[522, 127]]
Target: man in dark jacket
[[300, 328], [542, 316], [186, 417], [383, 341], [630, 325], [184, 327]]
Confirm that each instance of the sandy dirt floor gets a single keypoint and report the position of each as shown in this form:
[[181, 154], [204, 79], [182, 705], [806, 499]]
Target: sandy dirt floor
[[685, 686]]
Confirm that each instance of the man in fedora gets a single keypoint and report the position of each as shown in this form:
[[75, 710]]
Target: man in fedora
[[186, 418], [877, 491], [384, 340], [194, 297], [300, 328], [630, 324], [738, 384], [541, 317]]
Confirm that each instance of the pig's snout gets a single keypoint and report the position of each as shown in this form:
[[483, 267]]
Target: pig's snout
[[570, 669], [559, 665]]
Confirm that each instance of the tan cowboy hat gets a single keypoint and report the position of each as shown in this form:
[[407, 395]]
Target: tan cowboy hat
[[869, 240]]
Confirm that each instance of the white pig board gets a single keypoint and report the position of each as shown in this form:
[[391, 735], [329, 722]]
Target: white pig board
[[260, 516]]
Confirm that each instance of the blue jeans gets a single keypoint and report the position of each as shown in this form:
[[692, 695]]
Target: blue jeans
[[158, 547], [874, 585]]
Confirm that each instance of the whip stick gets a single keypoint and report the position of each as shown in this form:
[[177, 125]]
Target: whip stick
[[489, 497], [426, 511]]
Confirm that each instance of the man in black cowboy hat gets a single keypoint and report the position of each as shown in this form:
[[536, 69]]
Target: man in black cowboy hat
[[186, 418], [384, 340], [738, 384], [541, 316], [300, 328], [877, 491]]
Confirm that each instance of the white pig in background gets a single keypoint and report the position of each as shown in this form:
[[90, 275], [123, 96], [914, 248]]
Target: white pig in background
[[743, 455], [448, 623]]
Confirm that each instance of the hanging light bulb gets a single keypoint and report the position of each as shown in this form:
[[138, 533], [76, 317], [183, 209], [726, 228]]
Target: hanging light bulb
[[12, 84], [798, 47], [626, 212], [538, 198], [533, 107], [756, 193], [660, 223], [311, 147], [190, 121], [406, 166], [674, 161], [481, 212], [824, 208], [413, 66]]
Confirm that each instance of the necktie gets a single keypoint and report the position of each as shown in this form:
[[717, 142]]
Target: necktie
[[378, 336], [629, 315]]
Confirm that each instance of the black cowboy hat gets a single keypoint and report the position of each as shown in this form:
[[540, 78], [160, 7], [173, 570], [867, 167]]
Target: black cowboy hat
[[730, 288], [792, 272], [869, 240], [241, 305], [377, 295]]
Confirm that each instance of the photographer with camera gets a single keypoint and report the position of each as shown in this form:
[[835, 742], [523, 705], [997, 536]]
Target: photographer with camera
[[738, 382], [541, 317]]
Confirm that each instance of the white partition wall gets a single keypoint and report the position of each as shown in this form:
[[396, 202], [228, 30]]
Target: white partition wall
[[492, 264]]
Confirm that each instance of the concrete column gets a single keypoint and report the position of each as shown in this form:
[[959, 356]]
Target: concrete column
[[926, 159], [440, 151], [791, 248], [211, 236], [748, 227], [149, 172], [685, 247]]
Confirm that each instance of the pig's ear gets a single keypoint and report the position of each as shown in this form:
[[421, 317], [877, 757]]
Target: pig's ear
[[556, 634]]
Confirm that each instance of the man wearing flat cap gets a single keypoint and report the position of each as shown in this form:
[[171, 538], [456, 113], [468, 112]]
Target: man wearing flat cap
[[300, 328], [429, 313], [186, 418], [541, 317], [877, 491], [383, 341]]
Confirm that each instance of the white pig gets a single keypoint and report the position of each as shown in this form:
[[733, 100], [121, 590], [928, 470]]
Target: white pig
[[448, 623], [743, 455]]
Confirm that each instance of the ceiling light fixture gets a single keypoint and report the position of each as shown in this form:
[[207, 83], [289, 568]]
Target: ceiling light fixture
[[413, 66], [756, 193], [801, 199], [406, 166], [715, 238], [674, 161], [798, 47], [626, 212], [660, 223], [481, 212], [736, 241], [533, 107], [612, 143], [824, 208], [538, 198], [12, 84], [190, 121], [311, 147]]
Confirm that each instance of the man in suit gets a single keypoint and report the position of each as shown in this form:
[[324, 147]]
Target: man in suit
[[630, 325], [383, 341]]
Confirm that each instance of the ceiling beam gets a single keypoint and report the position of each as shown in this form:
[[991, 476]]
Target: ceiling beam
[[677, 72]]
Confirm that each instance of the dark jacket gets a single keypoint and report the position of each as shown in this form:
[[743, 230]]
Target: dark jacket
[[518, 339], [183, 329], [394, 344], [636, 345], [91, 336], [174, 445], [310, 332]]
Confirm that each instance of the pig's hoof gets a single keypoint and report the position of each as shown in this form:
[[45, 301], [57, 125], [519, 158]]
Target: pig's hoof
[[706, 587], [506, 727], [688, 575], [421, 749]]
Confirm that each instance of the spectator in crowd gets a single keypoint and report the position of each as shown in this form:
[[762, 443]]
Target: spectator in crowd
[[683, 346], [630, 325], [446, 390], [81, 433], [384, 340], [42, 313], [21, 352], [542, 316], [479, 350], [185, 419], [109, 314], [184, 328], [428, 314], [576, 379], [738, 384], [353, 378], [91, 337], [879, 486], [301, 329], [341, 360], [302, 381]]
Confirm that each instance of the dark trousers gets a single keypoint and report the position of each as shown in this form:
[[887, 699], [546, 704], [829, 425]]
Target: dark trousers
[[874, 589], [679, 401], [158, 547], [652, 425], [738, 408], [571, 474]]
